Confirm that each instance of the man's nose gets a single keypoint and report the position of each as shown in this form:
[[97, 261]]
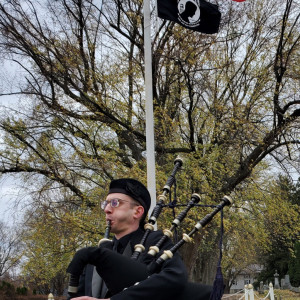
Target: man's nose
[[108, 208]]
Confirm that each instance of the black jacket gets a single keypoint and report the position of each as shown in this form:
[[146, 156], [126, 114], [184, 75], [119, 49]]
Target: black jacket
[[167, 284]]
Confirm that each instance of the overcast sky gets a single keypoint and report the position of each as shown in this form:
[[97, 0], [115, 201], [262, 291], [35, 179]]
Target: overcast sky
[[8, 196], [9, 185]]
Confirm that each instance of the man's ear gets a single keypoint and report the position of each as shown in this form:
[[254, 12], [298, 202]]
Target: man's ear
[[139, 211]]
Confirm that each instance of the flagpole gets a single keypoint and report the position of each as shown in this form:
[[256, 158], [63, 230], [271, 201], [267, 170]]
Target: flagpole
[[150, 149]]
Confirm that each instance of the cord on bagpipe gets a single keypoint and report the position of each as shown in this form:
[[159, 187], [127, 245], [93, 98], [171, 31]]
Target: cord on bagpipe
[[218, 285]]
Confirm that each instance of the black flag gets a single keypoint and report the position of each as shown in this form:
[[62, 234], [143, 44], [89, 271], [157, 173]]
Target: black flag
[[197, 15]]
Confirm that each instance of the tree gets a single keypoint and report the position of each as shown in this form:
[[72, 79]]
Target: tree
[[282, 232], [225, 102], [76, 93], [293, 267], [48, 246], [9, 249]]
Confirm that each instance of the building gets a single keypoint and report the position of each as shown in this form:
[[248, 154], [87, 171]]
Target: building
[[246, 276]]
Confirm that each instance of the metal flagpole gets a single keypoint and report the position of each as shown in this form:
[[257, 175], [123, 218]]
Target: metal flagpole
[[150, 150]]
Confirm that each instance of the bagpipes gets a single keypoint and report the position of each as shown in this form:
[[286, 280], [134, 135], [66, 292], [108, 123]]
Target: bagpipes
[[117, 279]]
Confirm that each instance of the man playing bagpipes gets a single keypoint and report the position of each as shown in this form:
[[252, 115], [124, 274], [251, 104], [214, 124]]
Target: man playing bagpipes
[[126, 207]]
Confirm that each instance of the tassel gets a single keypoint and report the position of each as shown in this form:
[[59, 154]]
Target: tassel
[[218, 286]]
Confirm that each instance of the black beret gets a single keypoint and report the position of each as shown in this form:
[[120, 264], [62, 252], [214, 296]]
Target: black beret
[[132, 188]]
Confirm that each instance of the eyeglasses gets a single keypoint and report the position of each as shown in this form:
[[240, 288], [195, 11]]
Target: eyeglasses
[[114, 202]]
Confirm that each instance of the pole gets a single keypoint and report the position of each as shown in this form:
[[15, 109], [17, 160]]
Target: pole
[[150, 150]]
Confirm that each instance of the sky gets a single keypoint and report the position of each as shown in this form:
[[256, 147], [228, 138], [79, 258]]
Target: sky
[[6, 197], [9, 185], [10, 196]]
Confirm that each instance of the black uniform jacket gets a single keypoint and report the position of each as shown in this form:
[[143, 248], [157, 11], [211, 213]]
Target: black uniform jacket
[[167, 284]]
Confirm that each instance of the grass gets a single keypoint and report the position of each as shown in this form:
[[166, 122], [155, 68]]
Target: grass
[[286, 295], [279, 295]]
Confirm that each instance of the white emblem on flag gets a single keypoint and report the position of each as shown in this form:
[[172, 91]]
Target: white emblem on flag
[[189, 12]]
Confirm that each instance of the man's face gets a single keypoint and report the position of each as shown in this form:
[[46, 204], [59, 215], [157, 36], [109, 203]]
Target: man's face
[[125, 217]]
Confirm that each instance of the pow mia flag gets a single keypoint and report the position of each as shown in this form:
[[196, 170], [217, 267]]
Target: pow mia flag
[[197, 15]]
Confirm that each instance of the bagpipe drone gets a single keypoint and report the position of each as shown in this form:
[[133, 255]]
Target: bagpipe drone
[[118, 279]]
